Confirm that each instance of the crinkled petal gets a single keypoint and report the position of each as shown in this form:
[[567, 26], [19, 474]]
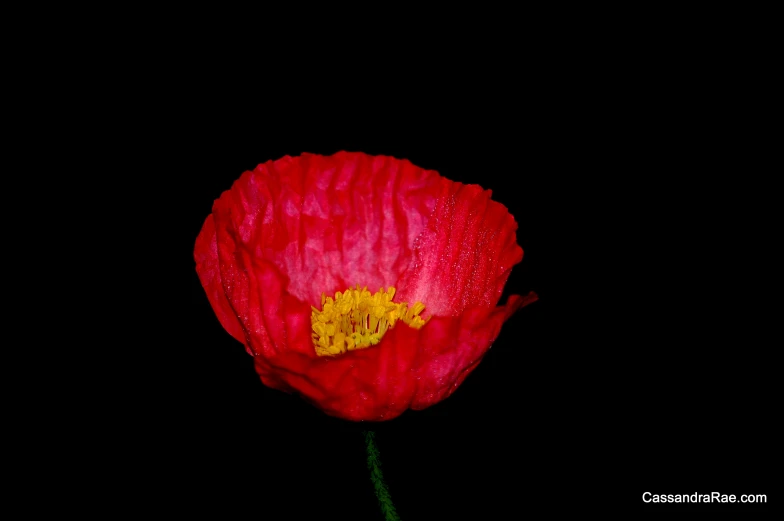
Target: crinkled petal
[[328, 223], [464, 255], [208, 269], [409, 369]]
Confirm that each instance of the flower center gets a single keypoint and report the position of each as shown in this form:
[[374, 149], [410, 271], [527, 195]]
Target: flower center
[[357, 319]]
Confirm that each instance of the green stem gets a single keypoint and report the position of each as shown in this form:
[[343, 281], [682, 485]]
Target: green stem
[[374, 465]]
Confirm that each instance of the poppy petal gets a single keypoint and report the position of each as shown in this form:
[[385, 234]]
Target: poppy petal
[[465, 253]]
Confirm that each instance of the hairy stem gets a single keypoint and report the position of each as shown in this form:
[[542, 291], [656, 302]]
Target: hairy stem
[[374, 465]]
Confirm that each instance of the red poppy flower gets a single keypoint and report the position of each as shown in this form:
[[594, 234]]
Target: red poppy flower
[[292, 255]]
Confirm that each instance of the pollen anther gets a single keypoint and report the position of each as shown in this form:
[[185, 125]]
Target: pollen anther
[[357, 319]]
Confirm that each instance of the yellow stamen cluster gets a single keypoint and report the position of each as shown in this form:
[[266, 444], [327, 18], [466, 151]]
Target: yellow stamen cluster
[[356, 319]]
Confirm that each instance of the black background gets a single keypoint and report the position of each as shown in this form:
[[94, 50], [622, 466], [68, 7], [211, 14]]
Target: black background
[[639, 369]]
